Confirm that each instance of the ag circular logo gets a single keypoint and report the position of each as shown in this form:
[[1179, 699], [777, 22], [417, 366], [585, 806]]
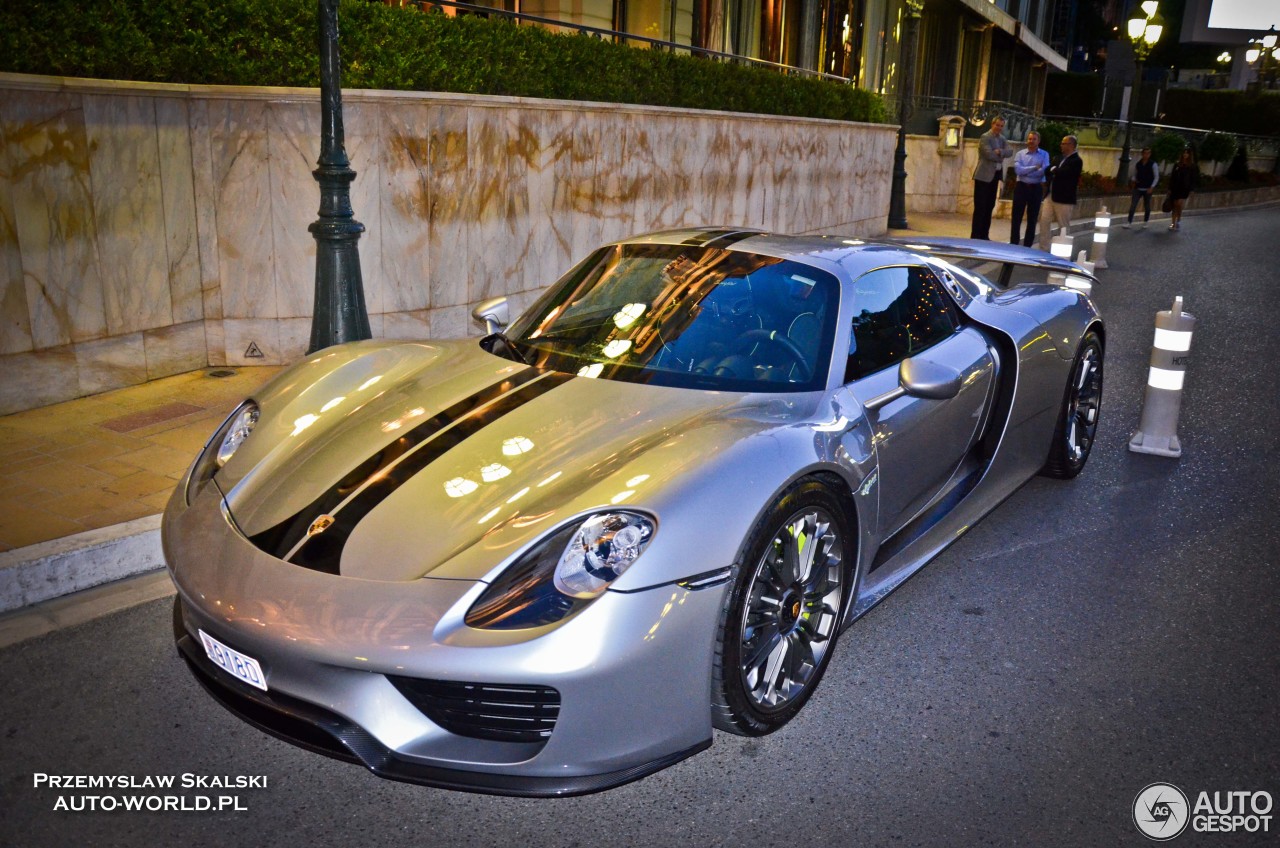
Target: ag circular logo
[[1161, 812]]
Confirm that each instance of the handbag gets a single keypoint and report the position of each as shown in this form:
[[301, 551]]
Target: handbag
[[1167, 206]]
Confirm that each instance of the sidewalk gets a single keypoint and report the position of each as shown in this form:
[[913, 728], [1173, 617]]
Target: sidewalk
[[82, 483], [102, 460], [951, 224]]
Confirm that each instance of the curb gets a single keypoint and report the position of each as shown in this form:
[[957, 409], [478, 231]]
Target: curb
[[59, 567]]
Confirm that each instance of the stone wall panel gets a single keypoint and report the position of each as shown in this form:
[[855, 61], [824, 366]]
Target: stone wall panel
[[148, 228]]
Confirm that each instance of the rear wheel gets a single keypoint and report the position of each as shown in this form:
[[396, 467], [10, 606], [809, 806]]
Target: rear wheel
[[1078, 419], [780, 620]]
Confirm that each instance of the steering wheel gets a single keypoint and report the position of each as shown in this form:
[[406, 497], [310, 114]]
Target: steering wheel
[[751, 337]]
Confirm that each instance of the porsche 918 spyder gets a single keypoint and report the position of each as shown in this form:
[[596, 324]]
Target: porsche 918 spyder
[[551, 560]]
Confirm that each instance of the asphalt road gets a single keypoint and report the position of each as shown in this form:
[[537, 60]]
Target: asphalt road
[[1085, 640]]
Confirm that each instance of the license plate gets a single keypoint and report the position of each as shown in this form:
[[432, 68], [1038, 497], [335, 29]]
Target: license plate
[[233, 662]]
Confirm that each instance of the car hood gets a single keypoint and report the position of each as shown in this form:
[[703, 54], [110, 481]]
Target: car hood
[[468, 454]]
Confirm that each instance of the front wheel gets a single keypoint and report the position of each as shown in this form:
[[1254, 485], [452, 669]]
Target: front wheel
[[1078, 419], [780, 620]]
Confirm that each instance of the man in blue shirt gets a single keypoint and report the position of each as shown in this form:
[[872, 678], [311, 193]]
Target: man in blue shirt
[[1029, 166]]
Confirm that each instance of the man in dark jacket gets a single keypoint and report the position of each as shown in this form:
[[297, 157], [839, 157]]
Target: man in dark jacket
[[1145, 176], [1064, 182]]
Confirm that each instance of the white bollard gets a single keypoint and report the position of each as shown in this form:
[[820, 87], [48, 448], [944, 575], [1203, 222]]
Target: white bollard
[[1158, 430], [1061, 247], [1075, 281], [1101, 229]]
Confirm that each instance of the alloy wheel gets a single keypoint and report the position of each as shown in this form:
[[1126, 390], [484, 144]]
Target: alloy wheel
[[793, 608]]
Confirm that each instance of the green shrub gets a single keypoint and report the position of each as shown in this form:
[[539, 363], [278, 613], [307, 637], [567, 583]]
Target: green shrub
[[273, 42], [1051, 133], [1218, 147], [1167, 146]]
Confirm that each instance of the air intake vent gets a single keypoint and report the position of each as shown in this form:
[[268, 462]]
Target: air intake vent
[[485, 711]]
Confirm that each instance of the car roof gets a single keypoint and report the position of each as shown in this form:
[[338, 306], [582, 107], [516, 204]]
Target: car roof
[[853, 257], [843, 255]]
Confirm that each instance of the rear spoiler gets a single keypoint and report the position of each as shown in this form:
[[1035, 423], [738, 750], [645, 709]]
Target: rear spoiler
[[1008, 256]]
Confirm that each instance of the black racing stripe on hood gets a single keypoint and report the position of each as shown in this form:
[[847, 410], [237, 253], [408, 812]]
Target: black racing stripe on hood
[[323, 551], [285, 536]]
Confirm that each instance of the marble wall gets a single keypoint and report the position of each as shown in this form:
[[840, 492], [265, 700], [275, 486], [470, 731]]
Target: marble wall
[[936, 180], [148, 229]]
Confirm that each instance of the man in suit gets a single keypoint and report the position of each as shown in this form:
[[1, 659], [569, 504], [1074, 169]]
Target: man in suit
[[1064, 182], [993, 149]]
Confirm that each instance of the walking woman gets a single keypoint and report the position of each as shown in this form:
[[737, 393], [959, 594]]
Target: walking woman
[[1183, 181]]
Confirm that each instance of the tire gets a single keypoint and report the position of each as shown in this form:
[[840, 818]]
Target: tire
[[771, 651], [1078, 419]]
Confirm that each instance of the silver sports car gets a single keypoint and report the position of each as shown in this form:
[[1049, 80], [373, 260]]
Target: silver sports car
[[552, 560]]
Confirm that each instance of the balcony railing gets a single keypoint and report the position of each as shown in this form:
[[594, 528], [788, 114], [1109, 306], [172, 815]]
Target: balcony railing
[[621, 37], [1107, 131], [923, 113]]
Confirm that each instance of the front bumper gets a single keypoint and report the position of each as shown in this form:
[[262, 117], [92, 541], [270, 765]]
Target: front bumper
[[632, 670]]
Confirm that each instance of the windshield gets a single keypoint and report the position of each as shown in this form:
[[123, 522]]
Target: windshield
[[680, 315]]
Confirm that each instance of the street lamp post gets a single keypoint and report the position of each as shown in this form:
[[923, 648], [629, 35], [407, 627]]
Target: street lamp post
[[339, 314], [1269, 44], [1263, 50], [906, 92], [1144, 32]]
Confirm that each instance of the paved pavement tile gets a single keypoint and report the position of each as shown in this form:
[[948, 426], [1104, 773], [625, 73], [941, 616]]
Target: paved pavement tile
[[101, 460]]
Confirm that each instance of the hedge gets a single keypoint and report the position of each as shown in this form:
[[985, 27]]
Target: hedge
[[273, 43], [1240, 112]]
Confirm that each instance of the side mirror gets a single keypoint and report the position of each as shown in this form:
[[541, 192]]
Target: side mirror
[[493, 313], [923, 379]]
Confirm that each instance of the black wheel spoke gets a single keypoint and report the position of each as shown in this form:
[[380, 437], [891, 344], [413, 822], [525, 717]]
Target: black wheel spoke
[[775, 561]]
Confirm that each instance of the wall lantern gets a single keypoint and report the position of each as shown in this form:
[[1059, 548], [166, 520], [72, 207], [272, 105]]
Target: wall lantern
[[951, 134]]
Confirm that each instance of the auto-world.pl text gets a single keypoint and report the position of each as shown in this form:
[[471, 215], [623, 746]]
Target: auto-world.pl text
[[166, 799]]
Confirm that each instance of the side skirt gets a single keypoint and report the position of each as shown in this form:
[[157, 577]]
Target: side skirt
[[894, 570]]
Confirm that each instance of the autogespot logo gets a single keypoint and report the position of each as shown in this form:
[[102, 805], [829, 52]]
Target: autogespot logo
[[1160, 811]]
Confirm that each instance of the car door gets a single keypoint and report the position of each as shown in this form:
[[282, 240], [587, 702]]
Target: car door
[[902, 313]]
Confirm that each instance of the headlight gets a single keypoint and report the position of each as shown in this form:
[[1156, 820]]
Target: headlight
[[226, 439], [242, 424], [564, 571], [604, 547]]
